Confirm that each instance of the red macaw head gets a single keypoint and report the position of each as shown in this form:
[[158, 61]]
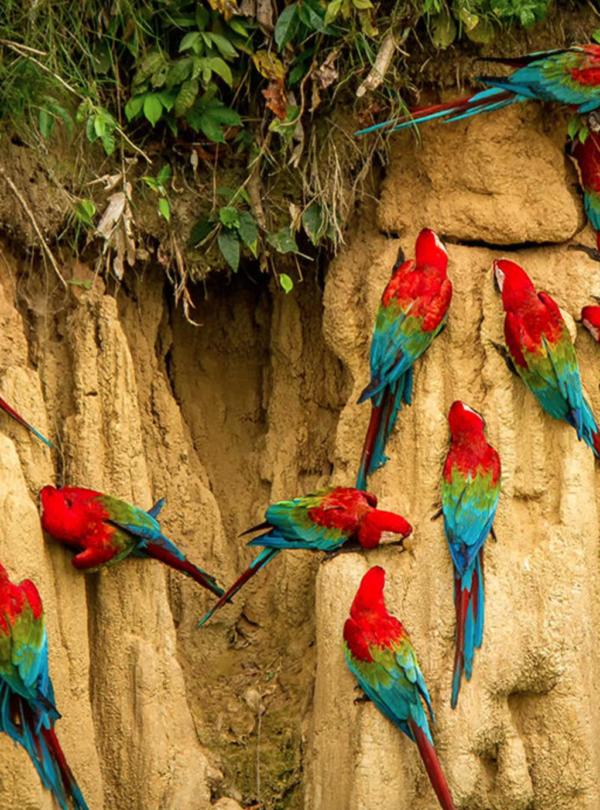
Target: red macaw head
[[590, 318], [429, 250], [513, 282], [377, 522], [369, 599], [69, 513], [464, 420]]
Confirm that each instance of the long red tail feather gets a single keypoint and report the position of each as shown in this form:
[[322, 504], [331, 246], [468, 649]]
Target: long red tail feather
[[185, 566], [433, 767], [368, 446]]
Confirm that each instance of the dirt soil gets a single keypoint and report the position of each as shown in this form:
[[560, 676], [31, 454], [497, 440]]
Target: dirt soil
[[258, 404]]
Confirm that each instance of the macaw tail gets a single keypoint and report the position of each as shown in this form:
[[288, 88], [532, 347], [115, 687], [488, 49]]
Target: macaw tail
[[179, 562], [33, 729], [432, 766], [469, 600], [263, 558], [486, 100], [11, 412], [384, 413], [584, 422]]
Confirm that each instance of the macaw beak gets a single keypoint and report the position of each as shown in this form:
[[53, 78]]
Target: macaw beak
[[498, 277]]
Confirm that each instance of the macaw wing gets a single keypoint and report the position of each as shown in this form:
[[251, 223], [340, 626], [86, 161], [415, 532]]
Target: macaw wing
[[535, 367], [296, 523], [552, 79], [131, 519], [27, 669], [393, 681], [469, 504]]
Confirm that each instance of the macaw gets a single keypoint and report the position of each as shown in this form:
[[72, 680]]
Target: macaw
[[470, 492], [11, 412], [568, 76], [590, 318], [587, 155], [542, 352], [27, 709], [102, 530], [380, 655], [334, 519], [412, 313]]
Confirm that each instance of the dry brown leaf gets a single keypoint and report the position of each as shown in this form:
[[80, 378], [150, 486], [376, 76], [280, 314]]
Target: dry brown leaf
[[275, 97], [225, 7]]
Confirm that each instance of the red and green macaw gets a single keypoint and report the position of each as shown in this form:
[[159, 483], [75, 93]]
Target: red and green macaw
[[569, 76], [27, 709], [412, 313], [334, 519], [103, 530], [542, 352], [590, 318], [380, 655], [587, 155], [470, 492], [11, 412]]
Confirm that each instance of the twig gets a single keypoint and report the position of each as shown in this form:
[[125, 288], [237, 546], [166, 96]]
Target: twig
[[36, 228], [13, 45], [380, 65]]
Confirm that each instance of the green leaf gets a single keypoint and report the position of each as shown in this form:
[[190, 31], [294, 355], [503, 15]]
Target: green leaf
[[85, 210], [90, 131], [212, 129], [164, 174], [223, 44], [286, 282], [333, 9], [179, 71], [134, 106], [310, 18], [46, 120], [583, 134], [167, 99], [54, 107], [202, 17], [152, 183], [153, 108], [221, 68], [596, 35], [186, 97], [164, 208], [573, 126], [200, 231], [223, 115], [230, 248], [287, 25], [238, 27], [483, 33], [312, 221], [283, 241], [229, 217], [248, 231], [188, 41], [362, 4], [443, 30], [108, 142]]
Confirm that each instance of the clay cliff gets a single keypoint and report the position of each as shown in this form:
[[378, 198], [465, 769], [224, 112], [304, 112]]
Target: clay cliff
[[258, 403]]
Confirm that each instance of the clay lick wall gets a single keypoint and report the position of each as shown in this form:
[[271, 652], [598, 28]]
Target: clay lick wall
[[258, 404], [525, 734]]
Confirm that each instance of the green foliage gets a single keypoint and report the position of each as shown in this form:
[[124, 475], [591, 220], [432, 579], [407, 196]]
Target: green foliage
[[206, 78]]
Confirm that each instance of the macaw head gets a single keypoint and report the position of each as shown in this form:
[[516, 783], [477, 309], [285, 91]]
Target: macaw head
[[377, 522], [369, 601], [513, 282], [67, 513], [429, 250], [590, 318], [464, 420]]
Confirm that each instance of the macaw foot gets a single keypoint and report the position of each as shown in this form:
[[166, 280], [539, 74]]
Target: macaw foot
[[438, 514], [593, 253], [362, 699], [345, 549], [494, 535], [502, 350]]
